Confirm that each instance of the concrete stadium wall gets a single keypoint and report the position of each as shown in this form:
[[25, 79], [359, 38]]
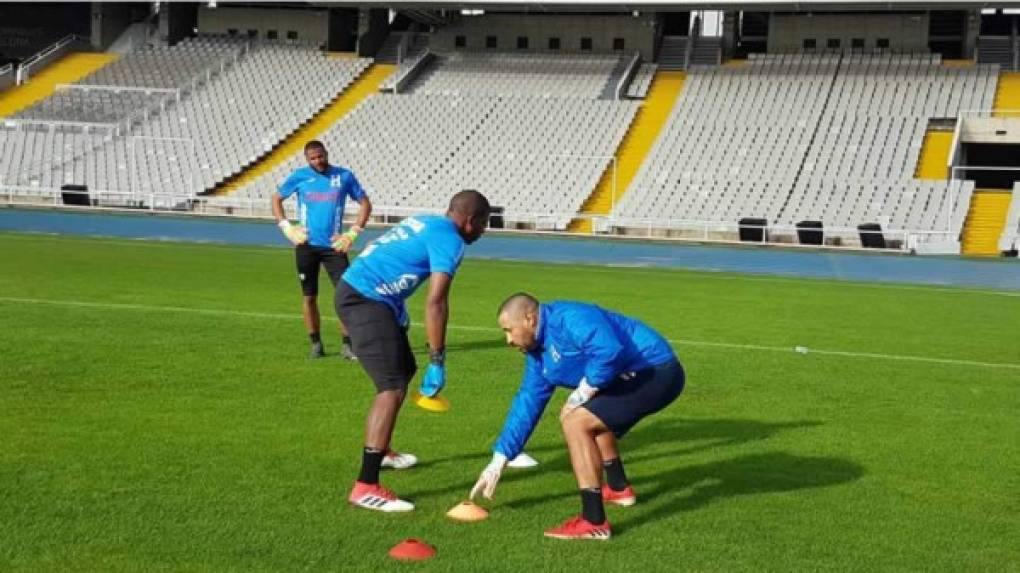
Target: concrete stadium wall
[[637, 33], [7, 77], [996, 130], [27, 27], [311, 25], [905, 32]]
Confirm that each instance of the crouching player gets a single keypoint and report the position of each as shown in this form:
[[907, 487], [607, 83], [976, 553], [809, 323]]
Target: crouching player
[[619, 371]]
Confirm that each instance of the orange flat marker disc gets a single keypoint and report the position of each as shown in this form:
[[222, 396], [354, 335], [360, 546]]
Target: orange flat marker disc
[[467, 511], [412, 550]]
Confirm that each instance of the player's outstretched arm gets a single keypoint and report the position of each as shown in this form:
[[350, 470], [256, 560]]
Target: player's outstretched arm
[[525, 411], [437, 312]]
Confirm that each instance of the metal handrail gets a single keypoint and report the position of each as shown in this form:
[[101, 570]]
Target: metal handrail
[[628, 75], [26, 65]]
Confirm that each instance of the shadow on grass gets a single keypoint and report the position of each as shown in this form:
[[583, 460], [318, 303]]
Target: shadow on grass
[[744, 475], [753, 474]]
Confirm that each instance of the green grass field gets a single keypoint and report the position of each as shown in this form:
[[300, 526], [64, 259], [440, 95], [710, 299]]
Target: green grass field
[[158, 413]]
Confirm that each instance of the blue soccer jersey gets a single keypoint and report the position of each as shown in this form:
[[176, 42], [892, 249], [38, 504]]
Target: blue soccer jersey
[[321, 198], [577, 341], [392, 267]]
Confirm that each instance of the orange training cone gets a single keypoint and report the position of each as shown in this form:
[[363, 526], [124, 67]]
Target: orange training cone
[[467, 511], [412, 550]]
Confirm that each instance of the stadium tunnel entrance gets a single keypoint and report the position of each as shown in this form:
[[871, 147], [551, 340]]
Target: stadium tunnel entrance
[[991, 146]]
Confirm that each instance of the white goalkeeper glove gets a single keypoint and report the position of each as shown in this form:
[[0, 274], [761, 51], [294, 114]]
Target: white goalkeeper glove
[[486, 484], [579, 396], [295, 233]]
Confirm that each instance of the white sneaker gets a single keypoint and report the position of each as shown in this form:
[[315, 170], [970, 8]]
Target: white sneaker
[[399, 461], [377, 498], [522, 460]]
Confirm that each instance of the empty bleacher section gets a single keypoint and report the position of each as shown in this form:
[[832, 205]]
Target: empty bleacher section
[[733, 144], [860, 168], [808, 137], [365, 86], [529, 130], [644, 130], [238, 101], [509, 74]]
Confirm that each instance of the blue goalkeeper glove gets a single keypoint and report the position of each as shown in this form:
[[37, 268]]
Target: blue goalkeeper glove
[[435, 374]]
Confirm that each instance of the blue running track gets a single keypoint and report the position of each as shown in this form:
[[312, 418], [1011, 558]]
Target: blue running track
[[944, 271]]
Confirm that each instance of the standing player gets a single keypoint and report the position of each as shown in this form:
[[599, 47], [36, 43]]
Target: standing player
[[370, 301], [619, 370], [322, 190]]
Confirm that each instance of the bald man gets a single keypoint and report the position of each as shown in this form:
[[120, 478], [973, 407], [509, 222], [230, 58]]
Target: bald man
[[619, 371], [370, 301]]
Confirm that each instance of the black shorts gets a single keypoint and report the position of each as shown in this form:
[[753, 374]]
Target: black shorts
[[377, 339], [636, 395], [308, 260]]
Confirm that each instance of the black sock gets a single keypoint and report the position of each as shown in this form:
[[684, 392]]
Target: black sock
[[591, 501], [316, 339], [615, 476], [371, 461], [347, 340]]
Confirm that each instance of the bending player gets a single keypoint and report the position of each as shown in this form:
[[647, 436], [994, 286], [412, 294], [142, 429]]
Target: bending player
[[370, 301], [322, 191], [619, 371]]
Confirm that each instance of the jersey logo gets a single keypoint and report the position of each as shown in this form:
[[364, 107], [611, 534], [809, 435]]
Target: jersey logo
[[336, 181], [555, 355], [416, 225], [404, 283]]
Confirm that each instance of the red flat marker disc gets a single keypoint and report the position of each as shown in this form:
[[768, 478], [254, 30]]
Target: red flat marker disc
[[412, 550]]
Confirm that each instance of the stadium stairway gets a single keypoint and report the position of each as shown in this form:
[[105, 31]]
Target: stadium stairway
[[363, 87], [68, 69], [648, 122], [985, 221], [1007, 95], [934, 160]]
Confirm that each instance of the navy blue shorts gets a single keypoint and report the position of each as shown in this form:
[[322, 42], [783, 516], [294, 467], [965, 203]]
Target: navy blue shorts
[[377, 339], [635, 395]]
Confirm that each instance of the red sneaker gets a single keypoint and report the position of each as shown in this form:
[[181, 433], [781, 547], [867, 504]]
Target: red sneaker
[[625, 497], [580, 528], [376, 497]]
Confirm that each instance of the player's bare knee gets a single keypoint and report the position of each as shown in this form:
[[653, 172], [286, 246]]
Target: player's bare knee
[[575, 423], [391, 398]]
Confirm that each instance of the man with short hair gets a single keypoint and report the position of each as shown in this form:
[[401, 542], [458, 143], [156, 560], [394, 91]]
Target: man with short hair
[[370, 300], [619, 371], [322, 191]]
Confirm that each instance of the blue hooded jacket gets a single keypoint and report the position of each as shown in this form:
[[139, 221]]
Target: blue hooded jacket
[[576, 341]]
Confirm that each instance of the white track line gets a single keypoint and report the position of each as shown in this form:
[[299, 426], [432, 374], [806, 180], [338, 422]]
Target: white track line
[[494, 330]]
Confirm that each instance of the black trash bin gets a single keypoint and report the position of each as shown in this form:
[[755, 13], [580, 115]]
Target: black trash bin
[[810, 232], [752, 230], [496, 217], [871, 236], [72, 194]]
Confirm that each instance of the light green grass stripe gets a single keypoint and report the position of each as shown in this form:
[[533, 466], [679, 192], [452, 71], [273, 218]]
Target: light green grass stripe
[[494, 330]]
